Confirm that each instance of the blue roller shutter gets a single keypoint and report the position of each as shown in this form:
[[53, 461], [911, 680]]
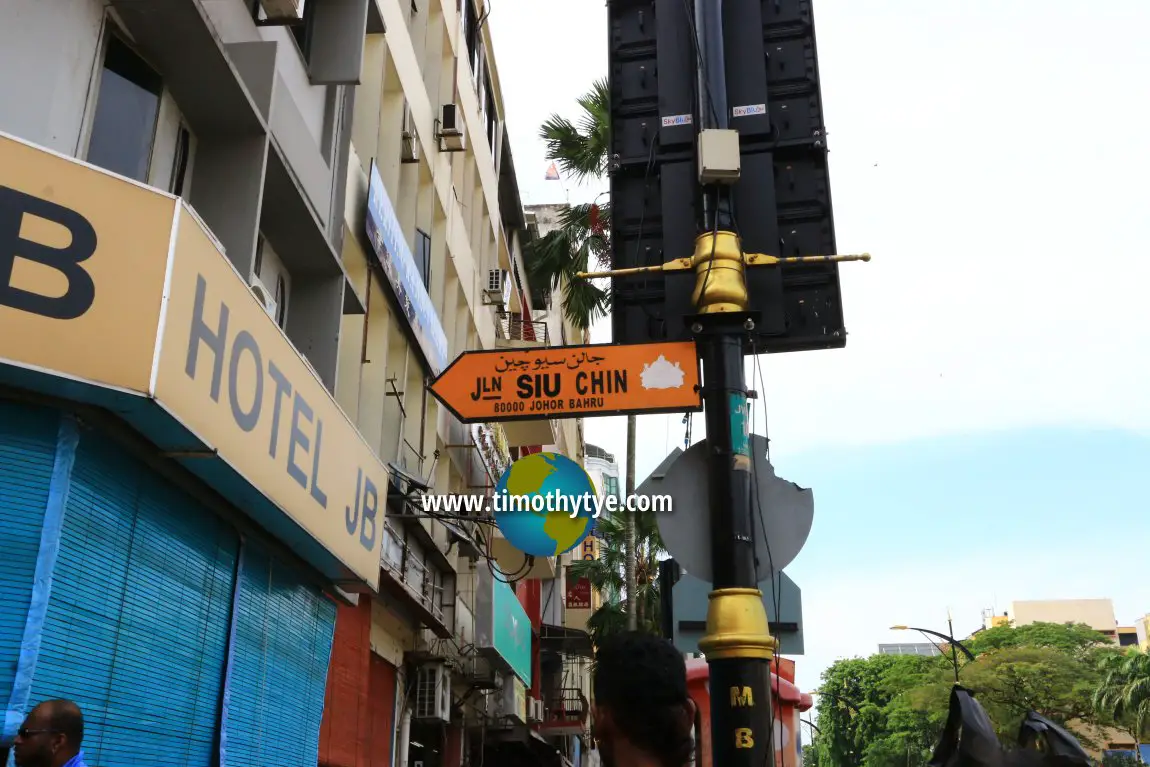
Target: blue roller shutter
[[27, 453], [137, 625], [280, 658]]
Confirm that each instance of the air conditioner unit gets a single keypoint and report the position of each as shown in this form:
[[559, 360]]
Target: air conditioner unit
[[264, 296], [409, 142], [283, 10], [450, 129], [534, 709], [432, 701], [497, 292]]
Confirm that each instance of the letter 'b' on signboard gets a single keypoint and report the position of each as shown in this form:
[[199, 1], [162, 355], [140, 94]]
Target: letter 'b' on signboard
[[15, 208]]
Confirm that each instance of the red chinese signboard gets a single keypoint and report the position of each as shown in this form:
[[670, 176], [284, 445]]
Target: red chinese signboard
[[578, 592]]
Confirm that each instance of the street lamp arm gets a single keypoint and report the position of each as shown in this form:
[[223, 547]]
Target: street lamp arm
[[951, 640]]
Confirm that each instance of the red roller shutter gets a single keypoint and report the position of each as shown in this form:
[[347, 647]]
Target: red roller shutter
[[381, 719], [345, 710], [453, 750]]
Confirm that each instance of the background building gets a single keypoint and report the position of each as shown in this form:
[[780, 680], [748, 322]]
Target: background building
[[1098, 614], [910, 648], [451, 659], [604, 471], [1142, 631]]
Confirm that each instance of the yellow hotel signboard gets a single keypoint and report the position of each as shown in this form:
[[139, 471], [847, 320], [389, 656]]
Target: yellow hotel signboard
[[113, 284]]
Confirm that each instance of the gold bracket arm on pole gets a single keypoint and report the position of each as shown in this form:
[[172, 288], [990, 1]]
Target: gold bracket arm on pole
[[720, 263], [671, 266], [749, 259]]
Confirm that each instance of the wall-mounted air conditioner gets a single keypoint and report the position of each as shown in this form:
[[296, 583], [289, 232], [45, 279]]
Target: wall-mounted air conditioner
[[409, 141], [264, 296], [432, 701], [534, 709], [497, 291], [450, 135], [283, 10]]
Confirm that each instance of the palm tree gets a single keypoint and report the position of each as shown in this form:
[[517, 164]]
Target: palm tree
[[607, 573], [583, 237], [1124, 692]]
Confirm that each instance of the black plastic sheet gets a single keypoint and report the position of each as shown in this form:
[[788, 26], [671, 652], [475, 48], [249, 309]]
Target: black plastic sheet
[[969, 740]]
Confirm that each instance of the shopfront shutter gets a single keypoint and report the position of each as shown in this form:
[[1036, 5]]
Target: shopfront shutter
[[342, 742], [381, 698], [27, 453], [280, 657], [137, 625]]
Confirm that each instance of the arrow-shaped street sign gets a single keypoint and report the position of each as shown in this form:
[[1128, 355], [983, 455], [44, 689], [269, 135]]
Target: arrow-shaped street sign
[[571, 382]]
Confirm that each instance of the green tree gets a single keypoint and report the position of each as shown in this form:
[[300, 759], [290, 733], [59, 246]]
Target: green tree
[[1075, 639], [898, 704], [1123, 693], [607, 575], [881, 710], [1014, 680], [583, 237]]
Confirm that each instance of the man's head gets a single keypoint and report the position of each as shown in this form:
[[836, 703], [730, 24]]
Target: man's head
[[642, 709], [51, 734]]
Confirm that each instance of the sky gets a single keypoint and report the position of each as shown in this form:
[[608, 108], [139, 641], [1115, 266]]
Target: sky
[[981, 437]]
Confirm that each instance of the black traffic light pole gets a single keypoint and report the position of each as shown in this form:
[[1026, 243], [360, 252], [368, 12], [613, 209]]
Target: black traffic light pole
[[737, 643]]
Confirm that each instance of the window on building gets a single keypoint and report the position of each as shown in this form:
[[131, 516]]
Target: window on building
[[180, 164], [423, 256], [492, 117], [471, 34], [611, 485], [480, 80], [281, 301], [127, 108]]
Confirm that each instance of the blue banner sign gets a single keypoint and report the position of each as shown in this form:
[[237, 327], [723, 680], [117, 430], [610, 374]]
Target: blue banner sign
[[394, 255]]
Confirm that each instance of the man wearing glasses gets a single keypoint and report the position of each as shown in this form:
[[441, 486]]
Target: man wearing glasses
[[51, 736]]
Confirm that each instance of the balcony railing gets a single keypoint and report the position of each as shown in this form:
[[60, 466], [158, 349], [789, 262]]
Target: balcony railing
[[513, 327], [565, 709], [402, 562]]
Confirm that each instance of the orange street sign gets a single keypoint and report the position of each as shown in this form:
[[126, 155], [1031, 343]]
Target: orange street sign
[[571, 382]]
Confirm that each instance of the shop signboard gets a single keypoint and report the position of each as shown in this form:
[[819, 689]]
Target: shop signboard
[[511, 636], [118, 295], [578, 592], [391, 248]]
